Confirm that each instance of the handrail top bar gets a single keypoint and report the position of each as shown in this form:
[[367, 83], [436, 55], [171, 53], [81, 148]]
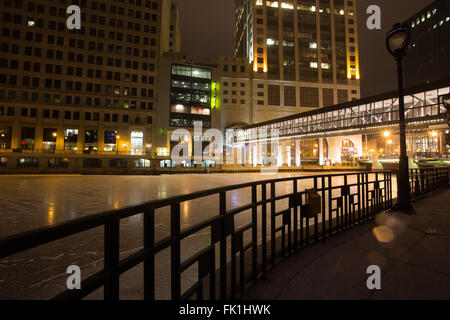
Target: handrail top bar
[[33, 238]]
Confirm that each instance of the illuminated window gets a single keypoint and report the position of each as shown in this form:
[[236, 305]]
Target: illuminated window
[[145, 163], [201, 111], [285, 5], [179, 108], [313, 65]]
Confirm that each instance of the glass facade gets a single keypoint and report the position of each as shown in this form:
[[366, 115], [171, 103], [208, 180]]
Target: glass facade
[[326, 49], [190, 96], [273, 42], [340, 42], [420, 107], [307, 41]]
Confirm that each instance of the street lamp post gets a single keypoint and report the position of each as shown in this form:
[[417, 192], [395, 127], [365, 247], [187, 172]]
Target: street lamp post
[[54, 134], [397, 41], [446, 101], [117, 145]]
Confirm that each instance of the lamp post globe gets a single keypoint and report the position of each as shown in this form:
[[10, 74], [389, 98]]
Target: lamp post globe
[[446, 100], [398, 39], [397, 42]]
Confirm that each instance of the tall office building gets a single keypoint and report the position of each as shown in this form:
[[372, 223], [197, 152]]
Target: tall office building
[[174, 36], [67, 95], [303, 54], [189, 96], [427, 58]]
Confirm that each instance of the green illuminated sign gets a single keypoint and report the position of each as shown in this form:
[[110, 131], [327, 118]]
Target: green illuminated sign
[[215, 95]]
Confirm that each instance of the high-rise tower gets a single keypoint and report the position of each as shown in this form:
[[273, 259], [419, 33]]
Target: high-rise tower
[[303, 53]]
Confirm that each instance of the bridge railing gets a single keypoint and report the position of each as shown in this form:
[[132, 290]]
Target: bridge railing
[[425, 180], [277, 223]]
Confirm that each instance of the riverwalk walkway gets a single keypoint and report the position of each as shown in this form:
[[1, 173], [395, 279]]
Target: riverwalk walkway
[[412, 251]]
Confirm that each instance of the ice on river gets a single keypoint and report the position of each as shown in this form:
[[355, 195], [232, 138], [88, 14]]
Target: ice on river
[[33, 201]]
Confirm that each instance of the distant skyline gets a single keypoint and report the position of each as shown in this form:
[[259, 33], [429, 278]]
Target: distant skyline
[[207, 30]]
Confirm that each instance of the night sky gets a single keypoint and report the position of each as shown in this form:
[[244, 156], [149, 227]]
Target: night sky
[[207, 30]]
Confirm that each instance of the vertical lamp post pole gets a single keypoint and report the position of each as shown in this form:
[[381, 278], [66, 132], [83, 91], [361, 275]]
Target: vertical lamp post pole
[[117, 144], [397, 41], [446, 102]]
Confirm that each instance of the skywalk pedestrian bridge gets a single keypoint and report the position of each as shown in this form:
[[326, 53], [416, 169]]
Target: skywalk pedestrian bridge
[[362, 128]]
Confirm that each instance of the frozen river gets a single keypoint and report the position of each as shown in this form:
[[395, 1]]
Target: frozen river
[[32, 201]]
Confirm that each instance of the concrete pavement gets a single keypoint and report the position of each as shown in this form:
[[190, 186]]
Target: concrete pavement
[[412, 251]]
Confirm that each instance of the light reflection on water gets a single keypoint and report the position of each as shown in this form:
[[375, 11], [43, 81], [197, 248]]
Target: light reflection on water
[[51, 213]]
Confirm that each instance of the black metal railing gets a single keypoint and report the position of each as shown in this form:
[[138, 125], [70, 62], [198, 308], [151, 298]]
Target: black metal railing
[[278, 223], [425, 180]]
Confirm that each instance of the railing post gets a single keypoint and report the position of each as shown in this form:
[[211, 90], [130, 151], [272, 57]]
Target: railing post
[[272, 221], [366, 184], [385, 199], [316, 219], [111, 264], [323, 210], [295, 208], [359, 197], [346, 207], [377, 194], [175, 251], [264, 228], [149, 261], [422, 181], [254, 233], [390, 189], [330, 205], [223, 248]]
